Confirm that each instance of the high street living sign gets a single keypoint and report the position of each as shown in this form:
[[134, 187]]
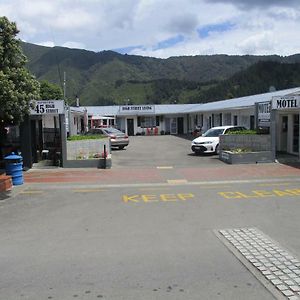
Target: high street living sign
[[286, 102], [45, 107], [137, 109]]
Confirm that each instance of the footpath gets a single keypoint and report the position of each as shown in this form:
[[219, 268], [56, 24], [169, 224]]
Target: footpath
[[161, 175]]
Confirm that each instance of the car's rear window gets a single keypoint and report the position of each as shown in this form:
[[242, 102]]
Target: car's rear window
[[112, 130]]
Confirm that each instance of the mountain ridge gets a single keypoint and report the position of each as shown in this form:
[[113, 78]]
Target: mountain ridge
[[108, 77]]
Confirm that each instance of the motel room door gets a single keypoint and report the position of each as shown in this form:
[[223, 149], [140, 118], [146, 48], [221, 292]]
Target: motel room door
[[173, 125], [130, 127], [284, 134], [180, 127]]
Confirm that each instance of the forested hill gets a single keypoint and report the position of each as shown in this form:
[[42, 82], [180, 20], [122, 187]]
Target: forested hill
[[256, 79], [108, 77]]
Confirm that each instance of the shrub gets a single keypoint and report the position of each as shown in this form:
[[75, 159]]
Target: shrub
[[85, 137], [248, 131]]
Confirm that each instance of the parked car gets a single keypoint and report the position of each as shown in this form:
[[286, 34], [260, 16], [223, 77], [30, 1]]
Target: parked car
[[118, 138], [209, 141]]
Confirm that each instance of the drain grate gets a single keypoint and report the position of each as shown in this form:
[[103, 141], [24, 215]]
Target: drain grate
[[275, 264]]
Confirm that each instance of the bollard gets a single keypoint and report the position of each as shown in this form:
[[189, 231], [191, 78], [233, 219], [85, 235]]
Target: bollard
[[105, 154]]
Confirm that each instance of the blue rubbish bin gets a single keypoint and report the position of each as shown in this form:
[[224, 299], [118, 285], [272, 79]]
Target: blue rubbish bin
[[14, 168]]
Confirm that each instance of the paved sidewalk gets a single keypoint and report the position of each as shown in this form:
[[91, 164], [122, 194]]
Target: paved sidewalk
[[157, 175]]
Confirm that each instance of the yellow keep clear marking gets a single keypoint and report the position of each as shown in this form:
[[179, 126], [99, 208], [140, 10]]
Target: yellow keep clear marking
[[149, 198], [164, 167], [88, 190], [261, 194], [177, 181]]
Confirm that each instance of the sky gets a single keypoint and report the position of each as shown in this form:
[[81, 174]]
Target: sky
[[160, 28]]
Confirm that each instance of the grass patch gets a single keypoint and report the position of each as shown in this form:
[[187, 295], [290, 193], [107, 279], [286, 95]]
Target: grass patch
[[85, 137]]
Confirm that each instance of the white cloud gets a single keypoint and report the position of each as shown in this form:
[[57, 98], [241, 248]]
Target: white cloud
[[74, 45], [46, 44], [258, 43], [259, 27]]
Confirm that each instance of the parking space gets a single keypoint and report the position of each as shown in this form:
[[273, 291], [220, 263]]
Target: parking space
[[164, 151]]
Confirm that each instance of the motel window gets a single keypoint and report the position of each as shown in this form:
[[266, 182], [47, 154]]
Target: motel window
[[227, 119], [139, 121], [146, 122]]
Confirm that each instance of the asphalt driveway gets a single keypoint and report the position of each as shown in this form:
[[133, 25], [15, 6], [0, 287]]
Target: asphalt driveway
[[160, 151]]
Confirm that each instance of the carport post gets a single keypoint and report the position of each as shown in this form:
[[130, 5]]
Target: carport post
[[63, 136], [104, 161], [273, 133]]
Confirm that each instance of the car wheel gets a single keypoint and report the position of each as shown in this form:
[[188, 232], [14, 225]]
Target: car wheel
[[121, 147], [217, 151]]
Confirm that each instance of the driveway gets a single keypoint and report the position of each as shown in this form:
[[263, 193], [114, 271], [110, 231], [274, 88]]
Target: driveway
[[160, 151]]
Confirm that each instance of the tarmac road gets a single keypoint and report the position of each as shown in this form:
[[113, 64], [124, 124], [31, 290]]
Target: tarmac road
[[153, 236]]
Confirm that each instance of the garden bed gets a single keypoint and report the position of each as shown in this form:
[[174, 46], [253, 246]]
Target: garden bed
[[88, 153], [231, 157]]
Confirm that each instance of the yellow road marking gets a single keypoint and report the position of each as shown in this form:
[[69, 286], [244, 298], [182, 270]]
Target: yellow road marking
[[31, 192], [260, 194], [177, 181], [149, 198], [274, 184], [88, 190], [164, 167]]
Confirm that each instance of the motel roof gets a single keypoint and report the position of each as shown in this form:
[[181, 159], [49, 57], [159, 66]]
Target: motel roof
[[242, 102], [163, 109]]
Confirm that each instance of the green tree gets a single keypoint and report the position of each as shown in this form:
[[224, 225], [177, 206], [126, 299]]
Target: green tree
[[50, 91], [17, 85]]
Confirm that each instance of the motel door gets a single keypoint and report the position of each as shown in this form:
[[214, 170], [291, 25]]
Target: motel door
[[180, 125], [284, 133], [130, 127], [173, 126], [296, 133]]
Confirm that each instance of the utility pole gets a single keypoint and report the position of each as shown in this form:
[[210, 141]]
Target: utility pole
[[64, 85]]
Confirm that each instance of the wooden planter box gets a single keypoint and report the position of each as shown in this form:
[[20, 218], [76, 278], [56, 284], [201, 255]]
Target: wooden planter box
[[230, 157]]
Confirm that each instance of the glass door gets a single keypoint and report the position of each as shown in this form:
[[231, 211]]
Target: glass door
[[173, 126]]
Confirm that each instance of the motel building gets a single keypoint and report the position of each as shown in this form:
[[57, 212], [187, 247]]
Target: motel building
[[45, 129], [276, 113], [284, 117]]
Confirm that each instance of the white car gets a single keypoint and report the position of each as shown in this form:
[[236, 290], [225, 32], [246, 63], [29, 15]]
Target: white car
[[209, 141]]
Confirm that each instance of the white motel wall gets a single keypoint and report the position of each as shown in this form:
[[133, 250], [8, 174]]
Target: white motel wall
[[183, 118]]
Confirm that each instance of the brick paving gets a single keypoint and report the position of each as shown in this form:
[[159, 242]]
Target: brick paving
[[93, 176], [277, 265], [154, 175]]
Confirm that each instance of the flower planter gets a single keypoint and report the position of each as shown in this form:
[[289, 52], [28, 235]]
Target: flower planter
[[231, 157], [88, 154]]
